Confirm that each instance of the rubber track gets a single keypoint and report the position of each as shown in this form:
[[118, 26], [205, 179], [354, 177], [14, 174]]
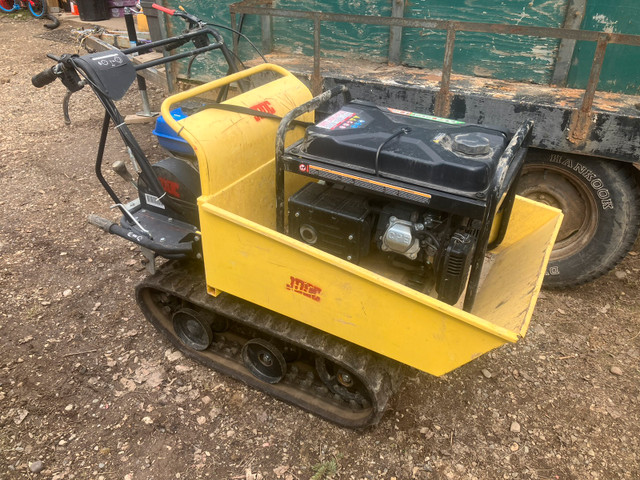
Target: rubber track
[[379, 375]]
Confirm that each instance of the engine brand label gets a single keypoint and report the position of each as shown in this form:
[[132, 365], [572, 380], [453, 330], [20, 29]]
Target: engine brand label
[[425, 117], [304, 288]]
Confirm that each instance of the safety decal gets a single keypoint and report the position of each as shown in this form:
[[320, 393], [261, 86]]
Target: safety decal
[[320, 170], [341, 120]]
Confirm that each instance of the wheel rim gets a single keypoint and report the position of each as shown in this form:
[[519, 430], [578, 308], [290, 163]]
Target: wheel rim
[[193, 329], [340, 381], [264, 360], [553, 186], [37, 7]]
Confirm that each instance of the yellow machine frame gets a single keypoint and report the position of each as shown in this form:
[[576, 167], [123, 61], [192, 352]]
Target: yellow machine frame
[[245, 257]]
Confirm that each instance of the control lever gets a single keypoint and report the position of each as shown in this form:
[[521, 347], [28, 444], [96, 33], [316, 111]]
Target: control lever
[[121, 169]]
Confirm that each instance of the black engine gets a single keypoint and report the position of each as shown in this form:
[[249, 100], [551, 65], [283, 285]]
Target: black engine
[[413, 188]]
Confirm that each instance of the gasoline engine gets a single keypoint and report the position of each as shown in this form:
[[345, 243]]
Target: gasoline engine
[[409, 187]]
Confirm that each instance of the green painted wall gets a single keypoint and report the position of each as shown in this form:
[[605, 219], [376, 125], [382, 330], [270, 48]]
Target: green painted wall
[[510, 57], [212, 65], [621, 68]]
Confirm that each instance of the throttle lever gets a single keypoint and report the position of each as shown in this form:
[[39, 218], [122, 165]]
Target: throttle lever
[[191, 19]]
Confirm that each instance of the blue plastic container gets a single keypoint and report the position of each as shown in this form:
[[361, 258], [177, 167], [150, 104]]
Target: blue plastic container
[[169, 139]]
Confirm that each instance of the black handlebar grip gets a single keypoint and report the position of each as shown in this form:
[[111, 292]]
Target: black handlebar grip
[[43, 78]]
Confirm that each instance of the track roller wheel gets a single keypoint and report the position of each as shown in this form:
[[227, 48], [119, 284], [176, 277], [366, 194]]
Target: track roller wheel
[[291, 361], [264, 360], [341, 382], [193, 328]]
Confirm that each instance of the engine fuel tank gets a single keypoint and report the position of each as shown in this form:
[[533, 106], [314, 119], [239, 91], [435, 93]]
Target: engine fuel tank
[[433, 152]]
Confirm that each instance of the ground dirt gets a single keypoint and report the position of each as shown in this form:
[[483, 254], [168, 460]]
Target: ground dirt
[[89, 390]]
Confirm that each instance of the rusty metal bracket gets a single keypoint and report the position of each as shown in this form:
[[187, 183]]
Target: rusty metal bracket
[[573, 19], [395, 33], [581, 118], [443, 99]]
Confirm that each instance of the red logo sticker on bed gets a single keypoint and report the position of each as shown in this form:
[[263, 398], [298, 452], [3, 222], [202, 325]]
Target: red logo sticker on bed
[[304, 288], [265, 107]]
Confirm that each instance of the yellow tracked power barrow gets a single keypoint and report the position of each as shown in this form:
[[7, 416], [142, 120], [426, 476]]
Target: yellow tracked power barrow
[[315, 260]]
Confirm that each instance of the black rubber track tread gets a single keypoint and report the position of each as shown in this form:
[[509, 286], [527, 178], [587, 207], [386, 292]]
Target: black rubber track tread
[[381, 376]]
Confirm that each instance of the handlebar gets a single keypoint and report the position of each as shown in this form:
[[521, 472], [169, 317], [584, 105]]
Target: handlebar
[[45, 77], [166, 10], [64, 69]]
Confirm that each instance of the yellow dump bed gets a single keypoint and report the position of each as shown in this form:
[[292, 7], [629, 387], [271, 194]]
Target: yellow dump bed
[[245, 257]]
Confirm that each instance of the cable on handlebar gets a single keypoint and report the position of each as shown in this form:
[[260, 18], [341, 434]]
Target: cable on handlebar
[[242, 35]]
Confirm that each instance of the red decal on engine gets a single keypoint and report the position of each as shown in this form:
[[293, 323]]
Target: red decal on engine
[[265, 107], [304, 288], [171, 187]]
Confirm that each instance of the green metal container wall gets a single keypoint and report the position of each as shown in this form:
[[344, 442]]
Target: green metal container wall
[[212, 65], [508, 57], [621, 68], [338, 39]]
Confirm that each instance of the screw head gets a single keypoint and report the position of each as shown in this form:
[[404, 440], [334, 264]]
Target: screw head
[[266, 359]]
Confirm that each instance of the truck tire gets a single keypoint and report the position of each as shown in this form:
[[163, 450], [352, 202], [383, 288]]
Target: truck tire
[[600, 200]]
